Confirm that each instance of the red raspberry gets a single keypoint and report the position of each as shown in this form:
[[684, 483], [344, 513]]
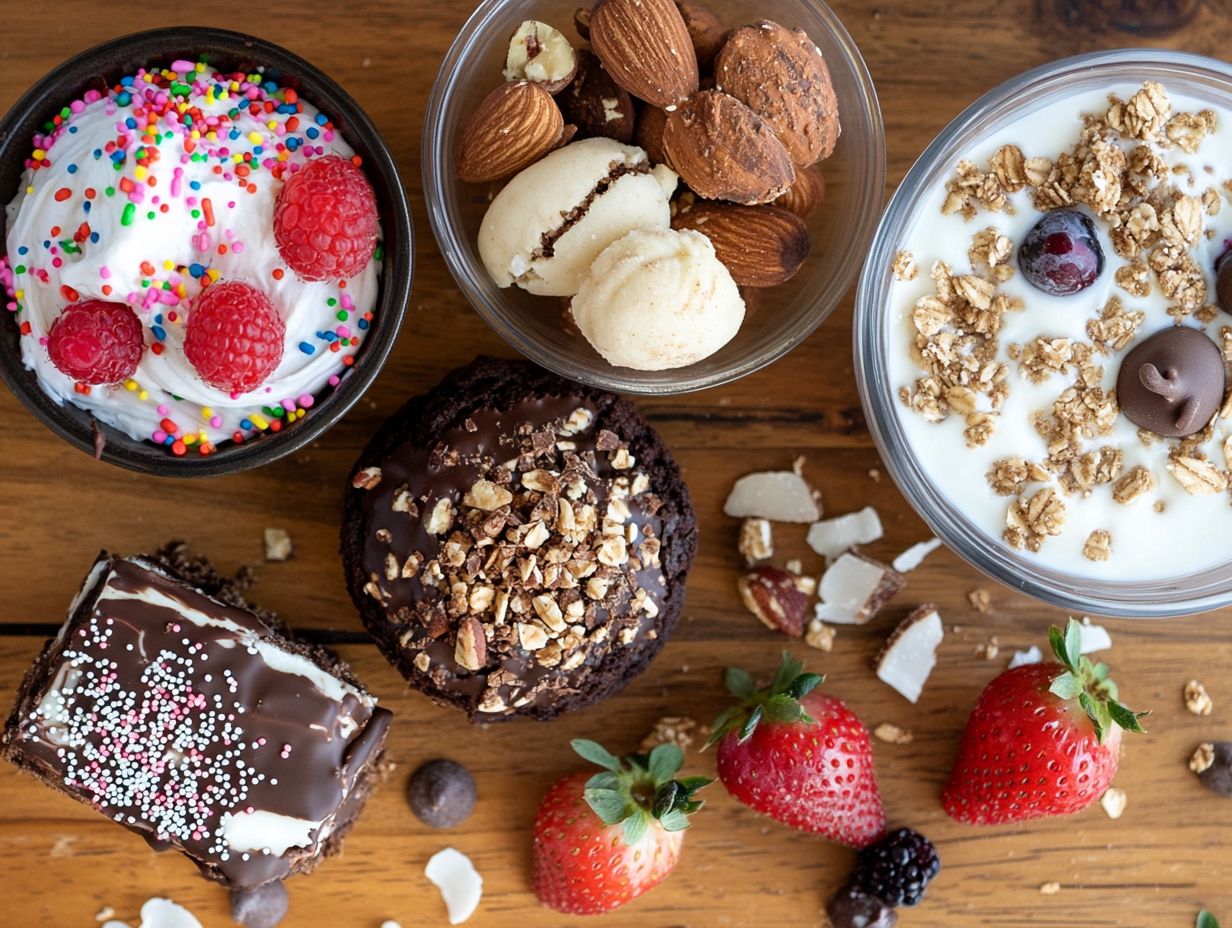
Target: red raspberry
[[234, 337], [325, 222], [96, 342]]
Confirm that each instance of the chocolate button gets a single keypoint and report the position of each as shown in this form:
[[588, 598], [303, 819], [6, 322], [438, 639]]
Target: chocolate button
[[1172, 383]]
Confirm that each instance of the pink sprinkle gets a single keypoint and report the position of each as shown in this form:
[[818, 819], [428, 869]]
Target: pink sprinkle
[[238, 248], [216, 421], [163, 410], [344, 331], [305, 401], [104, 272]]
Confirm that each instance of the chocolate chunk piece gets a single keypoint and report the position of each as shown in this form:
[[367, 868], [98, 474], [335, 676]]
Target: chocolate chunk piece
[[1216, 767], [1172, 383], [442, 793], [852, 907], [263, 907], [198, 725]]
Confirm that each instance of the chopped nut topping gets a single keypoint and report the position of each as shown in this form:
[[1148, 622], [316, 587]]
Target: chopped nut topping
[[441, 519], [1203, 758], [756, 542], [819, 635], [486, 495], [1114, 801], [1098, 546], [1197, 699], [892, 734], [367, 478], [980, 599], [679, 730]]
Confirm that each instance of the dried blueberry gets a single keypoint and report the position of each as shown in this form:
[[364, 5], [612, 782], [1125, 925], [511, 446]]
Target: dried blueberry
[[263, 907], [1061, 254], [441, 793]]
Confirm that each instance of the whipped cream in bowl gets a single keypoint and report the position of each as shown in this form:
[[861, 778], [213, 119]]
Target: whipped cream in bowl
[[992, 391], [165, 180]]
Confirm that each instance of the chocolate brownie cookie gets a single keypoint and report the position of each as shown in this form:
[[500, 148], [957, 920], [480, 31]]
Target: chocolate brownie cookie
[[517, 544], [197, 723]]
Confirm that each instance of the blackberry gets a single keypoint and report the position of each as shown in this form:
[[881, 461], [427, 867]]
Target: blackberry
[[898, 867]]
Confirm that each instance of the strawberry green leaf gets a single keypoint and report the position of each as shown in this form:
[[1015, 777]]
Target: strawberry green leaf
[[604, 780], [693, 784], [635, 828], [739, 683], [1066, 686], [804, 684], [783, 709], [1073, 642], [675, 820], [611, 806], [746, 730], [1126, 718], [788, 671], [596, 754], [1056, 641], [1206, 920], [665, 799], [664, 761]]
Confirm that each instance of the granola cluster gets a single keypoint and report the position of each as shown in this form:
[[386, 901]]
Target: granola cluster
[[546, 561], [1156, 215]]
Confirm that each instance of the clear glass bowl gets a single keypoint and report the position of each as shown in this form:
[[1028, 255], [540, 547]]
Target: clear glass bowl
[[785, 316], [1193, 75]]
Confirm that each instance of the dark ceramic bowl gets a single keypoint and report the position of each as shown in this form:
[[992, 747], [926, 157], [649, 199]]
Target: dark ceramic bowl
[[100, 68]]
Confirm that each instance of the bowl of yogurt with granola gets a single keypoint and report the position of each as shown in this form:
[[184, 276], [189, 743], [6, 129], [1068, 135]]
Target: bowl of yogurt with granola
[[206, 251], [1040, 341]]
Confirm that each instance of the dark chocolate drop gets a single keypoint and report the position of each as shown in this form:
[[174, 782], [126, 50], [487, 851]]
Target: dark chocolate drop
[[442, 793], [1223, 282], [1172, 383], [1218, 776], [851, 907]]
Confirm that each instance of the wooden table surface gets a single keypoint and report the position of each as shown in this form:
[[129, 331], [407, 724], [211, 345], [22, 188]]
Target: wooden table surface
[[1170, 853]]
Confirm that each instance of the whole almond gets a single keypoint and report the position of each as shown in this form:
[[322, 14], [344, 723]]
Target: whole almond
[[725, 151], [515, 125], [649, 133], [806, 194], [761, 246], [781, 75], [596, 104], [645, 46], [705, 29]]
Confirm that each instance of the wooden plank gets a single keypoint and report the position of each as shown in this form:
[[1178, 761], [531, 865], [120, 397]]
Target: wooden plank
[[1155, 866]]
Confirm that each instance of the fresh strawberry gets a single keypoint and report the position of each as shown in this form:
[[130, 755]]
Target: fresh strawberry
[[601, 841], [325, 223], [96, 342], [799, 756], [1042, 740], [234, 336]]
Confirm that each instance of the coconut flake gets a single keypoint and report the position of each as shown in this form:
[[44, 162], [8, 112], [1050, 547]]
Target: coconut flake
[[1032, 655], [460, 884], [1094, 637], [163, 913], [914, 556], [832, 537], [778, 495], [910, 653], [854, 588]]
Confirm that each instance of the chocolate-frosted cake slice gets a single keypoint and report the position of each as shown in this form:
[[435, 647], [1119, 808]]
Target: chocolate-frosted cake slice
[[198, 725]]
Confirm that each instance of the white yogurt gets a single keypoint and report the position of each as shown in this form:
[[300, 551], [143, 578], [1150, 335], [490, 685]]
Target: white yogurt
[[194, 207], [1146, 544]]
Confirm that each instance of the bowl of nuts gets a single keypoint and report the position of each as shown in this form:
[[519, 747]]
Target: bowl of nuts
[[651, 196]]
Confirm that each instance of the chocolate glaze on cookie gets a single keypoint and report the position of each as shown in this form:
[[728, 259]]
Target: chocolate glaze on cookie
[[198, 726], [516, 543]]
